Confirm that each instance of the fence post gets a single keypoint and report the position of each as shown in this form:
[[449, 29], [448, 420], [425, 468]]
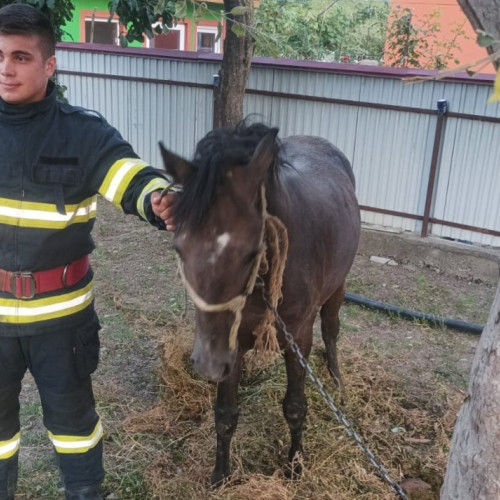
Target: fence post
[[442, 109], [216, 82]]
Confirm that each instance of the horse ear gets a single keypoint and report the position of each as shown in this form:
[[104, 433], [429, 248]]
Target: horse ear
[[266, 150], [177, 167], [263, 156]]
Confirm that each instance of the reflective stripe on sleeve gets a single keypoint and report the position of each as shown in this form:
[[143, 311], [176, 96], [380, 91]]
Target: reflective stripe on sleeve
[[77, 444], [151, 186], [30, 311], [45, 215], [118, 178], [10, 448]]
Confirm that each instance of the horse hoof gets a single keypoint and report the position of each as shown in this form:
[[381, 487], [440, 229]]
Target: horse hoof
[[293, 471], [294, 467], [218, 479]]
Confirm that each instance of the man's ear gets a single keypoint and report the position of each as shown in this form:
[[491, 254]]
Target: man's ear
[[50, 66], [178, 168]]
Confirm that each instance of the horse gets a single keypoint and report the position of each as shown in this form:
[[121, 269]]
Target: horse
[[264, 226]]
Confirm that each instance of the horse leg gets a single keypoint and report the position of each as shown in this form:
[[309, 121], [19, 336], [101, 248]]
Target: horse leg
[[295, 410], [330, 326], [226, 419]]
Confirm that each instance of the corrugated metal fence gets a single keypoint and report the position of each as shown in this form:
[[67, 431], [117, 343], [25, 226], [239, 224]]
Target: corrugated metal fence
[[416, 169]]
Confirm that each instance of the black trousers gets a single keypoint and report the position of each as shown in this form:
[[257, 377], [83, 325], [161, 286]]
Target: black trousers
[[61, 364]]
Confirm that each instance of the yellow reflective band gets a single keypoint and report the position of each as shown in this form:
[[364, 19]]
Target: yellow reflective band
[[9, 448], [45, 215], [30, 311], [77, 444], [153, 185], [118, 178]]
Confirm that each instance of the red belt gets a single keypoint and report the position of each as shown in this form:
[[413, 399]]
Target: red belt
[[25, 285]]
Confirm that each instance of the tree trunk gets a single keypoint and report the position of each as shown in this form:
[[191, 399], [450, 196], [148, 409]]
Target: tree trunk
[[473, 470], [484, 15], [238, 51]]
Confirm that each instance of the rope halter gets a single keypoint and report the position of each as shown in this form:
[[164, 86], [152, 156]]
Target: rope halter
[[236, 304]]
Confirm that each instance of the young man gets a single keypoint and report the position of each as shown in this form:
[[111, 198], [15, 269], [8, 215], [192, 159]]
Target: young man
[[54, 160]]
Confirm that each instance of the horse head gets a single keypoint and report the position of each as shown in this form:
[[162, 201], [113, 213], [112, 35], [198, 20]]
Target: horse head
[[219, 236]]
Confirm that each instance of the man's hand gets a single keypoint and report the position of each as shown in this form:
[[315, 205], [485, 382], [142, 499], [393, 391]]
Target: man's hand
[[163, 207]]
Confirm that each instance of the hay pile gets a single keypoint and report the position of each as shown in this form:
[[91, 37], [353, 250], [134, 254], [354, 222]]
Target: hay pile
[[408, 432]]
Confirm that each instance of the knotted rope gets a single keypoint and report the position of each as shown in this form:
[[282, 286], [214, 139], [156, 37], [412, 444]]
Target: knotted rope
[[277, 242], [274, 232]]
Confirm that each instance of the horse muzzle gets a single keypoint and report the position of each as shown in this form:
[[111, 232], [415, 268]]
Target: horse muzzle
[[212, 362]]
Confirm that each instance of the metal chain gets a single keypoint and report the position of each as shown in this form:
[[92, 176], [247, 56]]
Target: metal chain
[[382, 471]]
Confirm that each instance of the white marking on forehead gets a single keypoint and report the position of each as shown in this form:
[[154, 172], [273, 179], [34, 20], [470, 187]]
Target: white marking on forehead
[[220, 243]]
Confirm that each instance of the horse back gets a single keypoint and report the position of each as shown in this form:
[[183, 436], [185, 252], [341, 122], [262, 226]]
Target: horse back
[[315, 156], [316, 200]]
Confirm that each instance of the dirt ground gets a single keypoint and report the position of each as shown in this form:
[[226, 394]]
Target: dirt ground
[[141, 301], [136, 271]]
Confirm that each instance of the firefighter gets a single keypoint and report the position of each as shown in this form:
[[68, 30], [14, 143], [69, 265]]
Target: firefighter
[[54, 161]]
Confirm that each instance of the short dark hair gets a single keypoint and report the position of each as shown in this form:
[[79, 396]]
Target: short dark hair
[[23, 19]]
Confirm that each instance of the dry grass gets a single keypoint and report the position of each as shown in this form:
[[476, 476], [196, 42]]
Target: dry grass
[[402, 382], [409, 436]]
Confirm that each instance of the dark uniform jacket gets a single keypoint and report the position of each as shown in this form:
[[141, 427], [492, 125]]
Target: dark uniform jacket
[[54, 160]]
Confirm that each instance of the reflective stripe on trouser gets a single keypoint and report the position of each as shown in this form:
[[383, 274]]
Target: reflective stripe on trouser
[[61, 364], [76, 444], [11, 374], [80, 458], [9, 447], [9, 418]]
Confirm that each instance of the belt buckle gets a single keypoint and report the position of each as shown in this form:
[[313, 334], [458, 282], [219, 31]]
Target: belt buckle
[[25, 283]]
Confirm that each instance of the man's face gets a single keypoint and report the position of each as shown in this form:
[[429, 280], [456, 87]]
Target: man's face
[[23, 70]]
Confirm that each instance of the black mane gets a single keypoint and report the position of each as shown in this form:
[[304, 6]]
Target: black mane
[[219, 151]]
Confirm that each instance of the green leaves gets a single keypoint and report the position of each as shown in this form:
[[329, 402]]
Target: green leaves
[[484, 39], [300, 30], [140, 15], [200, 11], [496, 89], [238, 30], [419, 42], [59, 12], [180, 9], [239, 10], [123, 41]]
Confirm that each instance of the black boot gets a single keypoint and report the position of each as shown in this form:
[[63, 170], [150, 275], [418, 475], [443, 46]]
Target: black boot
[[87, 493], [8, 477]]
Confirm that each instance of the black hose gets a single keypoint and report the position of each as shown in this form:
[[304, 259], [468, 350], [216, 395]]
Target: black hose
[[456, 324]]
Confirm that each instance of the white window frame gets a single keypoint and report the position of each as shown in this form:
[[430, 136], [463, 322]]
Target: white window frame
[[115, 22], [213, 30], [178, 27]]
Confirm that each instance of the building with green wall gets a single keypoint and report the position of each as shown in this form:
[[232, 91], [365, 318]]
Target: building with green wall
[[91, 24]]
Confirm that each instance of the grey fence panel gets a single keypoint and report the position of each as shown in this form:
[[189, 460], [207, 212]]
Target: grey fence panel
[[336, 123], [386, 127], [474, 100], [467, 189], [137, 96], [391, 164]]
